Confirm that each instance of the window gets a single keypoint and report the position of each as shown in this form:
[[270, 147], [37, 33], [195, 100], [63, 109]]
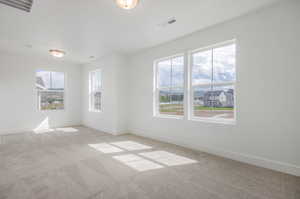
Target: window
[[210, 85], [213, 79], [50, 90], [169, 87], [95, 91]]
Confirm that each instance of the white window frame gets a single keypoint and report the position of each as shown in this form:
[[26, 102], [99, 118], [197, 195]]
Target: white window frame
[[91, 106], [64, 93], [156, 89], [191, 86]]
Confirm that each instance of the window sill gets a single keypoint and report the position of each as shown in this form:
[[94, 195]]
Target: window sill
[[216, 121], [169, 117], [54, 110], [92, 111]]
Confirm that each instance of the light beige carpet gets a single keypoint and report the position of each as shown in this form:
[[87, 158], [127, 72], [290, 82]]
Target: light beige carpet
[[71, 163]]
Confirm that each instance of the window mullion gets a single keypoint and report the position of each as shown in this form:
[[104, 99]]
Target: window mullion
[[165, 95], [214, 100], [171, 81], [212, 74]]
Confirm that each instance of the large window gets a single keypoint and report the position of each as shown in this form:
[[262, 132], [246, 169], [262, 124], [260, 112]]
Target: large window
[[210, 84], [169, 87], [213, 83], [95, 91], [50, 89]]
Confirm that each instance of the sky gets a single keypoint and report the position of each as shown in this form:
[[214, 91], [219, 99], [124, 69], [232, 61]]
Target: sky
[[171, 72], [57, 79], [223, 65]]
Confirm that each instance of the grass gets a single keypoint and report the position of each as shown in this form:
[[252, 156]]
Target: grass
[[169, 108], [52, 107], [204, 108]]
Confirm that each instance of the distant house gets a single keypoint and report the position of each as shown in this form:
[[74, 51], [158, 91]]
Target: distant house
[[219, 98]]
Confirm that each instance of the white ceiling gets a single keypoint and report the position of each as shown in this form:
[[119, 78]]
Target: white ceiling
[[85, 28]]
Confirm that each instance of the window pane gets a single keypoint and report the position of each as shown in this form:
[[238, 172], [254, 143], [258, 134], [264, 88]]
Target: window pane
[[98, 80], [51, 100], [46, 80], [171, 102], [43, 80], [95, 91], [164, 74], [203, 101], [50, 87], [95, 80], [93, 77], [97, 101], [223, 102], [224, 64], [202, 68], [57, 80], [178, 72]]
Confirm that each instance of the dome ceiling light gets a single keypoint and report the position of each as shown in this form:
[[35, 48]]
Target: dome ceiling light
[[57, 53], [127, 4]]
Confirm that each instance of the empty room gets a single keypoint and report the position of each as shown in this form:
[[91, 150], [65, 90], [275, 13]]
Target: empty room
[[149, 99]]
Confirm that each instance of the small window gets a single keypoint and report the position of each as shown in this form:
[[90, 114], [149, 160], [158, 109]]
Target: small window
[[95, 91], [213, 79], [169, 87], [50, 90]]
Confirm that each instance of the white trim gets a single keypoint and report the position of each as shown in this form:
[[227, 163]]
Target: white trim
[[214, 120], [30, 130], [62, 91], [156, 88], [91, 108], [186, 87], [217, 45], [169, 116], [191, 86], [167, 58], [241, 157], [105, 130]]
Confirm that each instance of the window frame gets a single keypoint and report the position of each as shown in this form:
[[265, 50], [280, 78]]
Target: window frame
[[64, 92], [156, 88], [190, 105], [90, 92]]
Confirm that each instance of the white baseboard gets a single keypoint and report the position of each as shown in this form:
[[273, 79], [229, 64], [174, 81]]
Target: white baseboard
[[246, 158], [24, 130], [14, 131], [106, 130]]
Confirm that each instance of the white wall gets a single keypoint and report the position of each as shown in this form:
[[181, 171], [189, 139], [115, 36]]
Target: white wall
[[18, 96], [111, 119], [267, 131]]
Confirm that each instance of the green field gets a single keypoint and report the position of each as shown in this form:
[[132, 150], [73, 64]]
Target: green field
[[164, 108], [179, 108], [52, 107], [204, 108]]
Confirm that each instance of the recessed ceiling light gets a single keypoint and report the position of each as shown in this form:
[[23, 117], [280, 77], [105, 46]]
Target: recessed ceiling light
[[57, 53], [127, 4]]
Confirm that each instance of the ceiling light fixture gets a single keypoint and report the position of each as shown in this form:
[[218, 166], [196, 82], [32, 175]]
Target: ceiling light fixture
[[57, 53], [127, 4]]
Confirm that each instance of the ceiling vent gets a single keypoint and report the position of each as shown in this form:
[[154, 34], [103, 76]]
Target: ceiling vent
[[24, 5], [170, 21]]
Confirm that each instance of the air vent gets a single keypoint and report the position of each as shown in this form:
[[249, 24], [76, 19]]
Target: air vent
[[168, 22], [24, 5]]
